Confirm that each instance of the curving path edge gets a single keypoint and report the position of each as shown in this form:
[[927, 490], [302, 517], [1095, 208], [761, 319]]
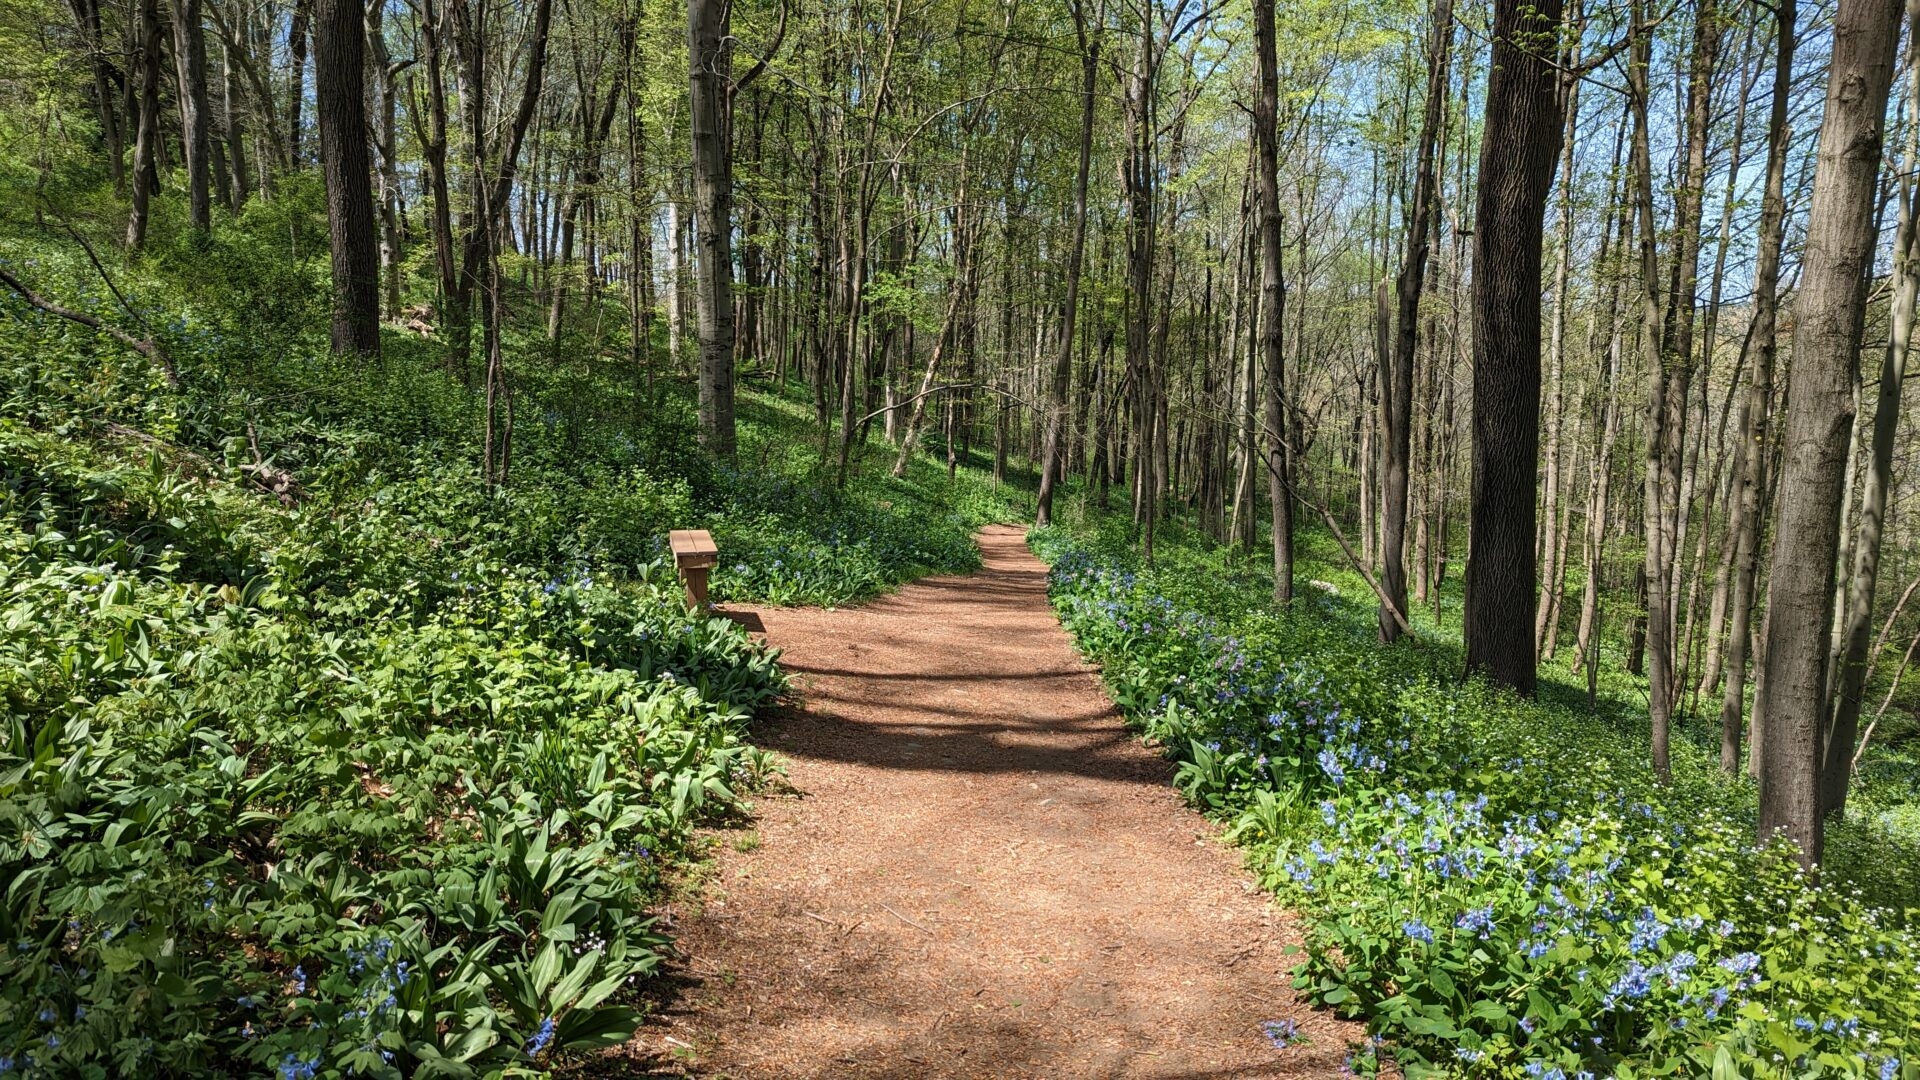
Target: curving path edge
[[980, 873]]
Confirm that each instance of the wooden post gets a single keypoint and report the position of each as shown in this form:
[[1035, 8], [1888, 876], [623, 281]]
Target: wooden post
[[694, 554]]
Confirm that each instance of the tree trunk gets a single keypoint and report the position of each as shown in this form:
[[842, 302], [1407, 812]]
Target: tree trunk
[[1053, 467], [340, 107], [1833, 280], [1856, 633], [1398, 408], [296, 77], [1743, 525], [1273, 295], [146, 140], [710, 50], [1519, 147], [1552, 549], [433, 150], [190, 69]]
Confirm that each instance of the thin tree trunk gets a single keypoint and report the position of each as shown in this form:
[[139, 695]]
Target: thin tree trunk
[[296, 77], [1743, 525], [1273, 296], [1052, 467], [146, 173], [1398, 408], [190, 68]]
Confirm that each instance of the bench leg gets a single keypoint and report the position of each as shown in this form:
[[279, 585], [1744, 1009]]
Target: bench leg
[[695, 579]]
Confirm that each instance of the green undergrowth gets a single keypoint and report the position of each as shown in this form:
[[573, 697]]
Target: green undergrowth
[[319, 758], [1497, 887]]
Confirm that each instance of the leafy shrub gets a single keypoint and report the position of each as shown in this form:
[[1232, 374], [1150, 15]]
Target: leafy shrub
[[1497, 887]]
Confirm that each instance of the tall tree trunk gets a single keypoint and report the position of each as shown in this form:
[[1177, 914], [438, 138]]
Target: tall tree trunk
[[1053, 467], [239, 185], [710, 49], [1819, 415], [1743, 525], [340, 108], [1398, 408], [1520, 144], [86, 16], [433, 40], [147, 136], [1856, 633], [385, 74], [296, 77], [1553, 547], [1273, 294], [676, 313], [190, 69], [593, 137]]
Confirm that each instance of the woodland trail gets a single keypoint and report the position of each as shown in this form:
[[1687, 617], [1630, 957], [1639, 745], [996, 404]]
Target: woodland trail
[[980, 873]]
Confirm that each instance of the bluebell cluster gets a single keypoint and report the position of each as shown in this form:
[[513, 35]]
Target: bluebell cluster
[[1426, 840], [542, 1037]]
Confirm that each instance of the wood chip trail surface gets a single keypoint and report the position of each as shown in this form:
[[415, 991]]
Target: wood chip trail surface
[[980, 872]]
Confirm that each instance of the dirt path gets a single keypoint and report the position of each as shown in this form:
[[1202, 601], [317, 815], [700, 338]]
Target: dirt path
[[983, 874]]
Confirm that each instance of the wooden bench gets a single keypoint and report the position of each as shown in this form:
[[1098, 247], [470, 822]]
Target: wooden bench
[[694, 554]]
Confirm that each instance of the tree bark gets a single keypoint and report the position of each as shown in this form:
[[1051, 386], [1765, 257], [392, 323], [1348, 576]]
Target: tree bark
[[1819, 416], [340, 107], [710, 50], [1053, 467], [1744, 523], [146, 173], [1398, 408], [296, 77], [1857, 631], [190, 69], [1273, 296], [1520, 144]]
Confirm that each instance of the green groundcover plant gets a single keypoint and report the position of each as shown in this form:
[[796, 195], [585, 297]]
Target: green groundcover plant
[[1496, 887], [318, 758], [312, 825]]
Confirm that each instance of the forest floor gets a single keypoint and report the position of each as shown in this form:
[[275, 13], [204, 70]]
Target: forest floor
[[978, 872]]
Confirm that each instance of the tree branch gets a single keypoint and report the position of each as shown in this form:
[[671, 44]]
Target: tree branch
[[146, 347]]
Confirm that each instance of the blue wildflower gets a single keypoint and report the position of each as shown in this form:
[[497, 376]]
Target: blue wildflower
[[1476, 920], [541, 1038], [1281, 1033]]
